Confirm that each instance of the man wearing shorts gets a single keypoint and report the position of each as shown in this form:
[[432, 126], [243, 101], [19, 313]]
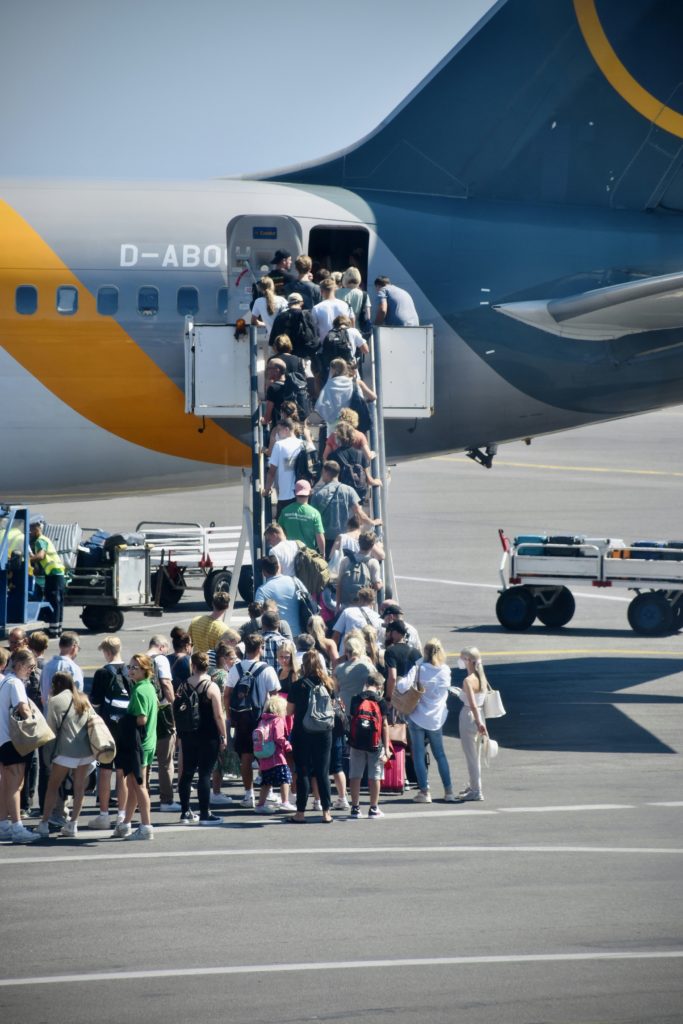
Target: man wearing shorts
[[263, 682], [373, 759]]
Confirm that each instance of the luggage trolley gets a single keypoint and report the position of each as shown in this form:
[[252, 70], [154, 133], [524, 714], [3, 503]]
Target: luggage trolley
[[536, 572], [183, 552]]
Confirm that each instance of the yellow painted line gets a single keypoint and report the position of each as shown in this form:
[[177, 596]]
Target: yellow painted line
[[91, 363], [567, 469], [596, 652], [618, 77]]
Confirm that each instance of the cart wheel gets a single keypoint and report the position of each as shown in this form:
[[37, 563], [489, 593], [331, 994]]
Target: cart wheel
[[516, 608], [560, 611], [678, 614], [99, 619], [651, 614], [245, 584], [170, 593], [219, 579]]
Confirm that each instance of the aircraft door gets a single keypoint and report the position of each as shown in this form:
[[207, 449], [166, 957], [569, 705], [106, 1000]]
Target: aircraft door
[[252, 242]]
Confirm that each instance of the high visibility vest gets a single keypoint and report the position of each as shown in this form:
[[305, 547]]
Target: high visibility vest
[[15, 541], [51, 563]]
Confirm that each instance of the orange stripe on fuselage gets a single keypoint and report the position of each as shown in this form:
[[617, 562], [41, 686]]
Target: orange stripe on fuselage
[[90, 362]]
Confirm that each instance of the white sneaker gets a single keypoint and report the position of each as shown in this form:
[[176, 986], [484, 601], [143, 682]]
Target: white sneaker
[[248, 800], [142, 832], [341, 804], [100, 820], [375, 812], [273, 798], [23, 835], [220, 800], [265, 809], [42, 830], [170, 808], [286, 806], [423, 796], [317, 806], [121, 830], [473, 795], [450, 797], [70, 830]]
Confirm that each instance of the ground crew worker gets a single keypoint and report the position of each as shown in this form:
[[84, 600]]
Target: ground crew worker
[[49, 572]]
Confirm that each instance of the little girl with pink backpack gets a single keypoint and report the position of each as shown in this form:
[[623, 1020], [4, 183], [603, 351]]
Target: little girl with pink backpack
[[271, 747]]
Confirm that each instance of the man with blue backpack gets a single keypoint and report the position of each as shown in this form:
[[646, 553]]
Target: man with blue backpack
[[250, 683]]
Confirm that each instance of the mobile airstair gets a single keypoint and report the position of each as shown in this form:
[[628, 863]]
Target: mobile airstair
[[224, 380]]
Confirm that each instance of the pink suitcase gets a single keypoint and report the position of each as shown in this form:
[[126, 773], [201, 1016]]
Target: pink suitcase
[[395, 772]]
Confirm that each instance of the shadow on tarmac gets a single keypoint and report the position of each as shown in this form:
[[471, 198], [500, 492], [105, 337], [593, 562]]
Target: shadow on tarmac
[[572, 704]]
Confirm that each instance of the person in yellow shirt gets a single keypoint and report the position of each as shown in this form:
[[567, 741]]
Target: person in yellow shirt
[[206, 630]]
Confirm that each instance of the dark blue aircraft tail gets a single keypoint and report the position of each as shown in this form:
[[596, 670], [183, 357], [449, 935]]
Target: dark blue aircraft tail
[[564, 101]]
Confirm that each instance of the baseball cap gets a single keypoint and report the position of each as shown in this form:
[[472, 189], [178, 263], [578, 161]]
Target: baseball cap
[[293, 299], [302, 487], [281, 254]]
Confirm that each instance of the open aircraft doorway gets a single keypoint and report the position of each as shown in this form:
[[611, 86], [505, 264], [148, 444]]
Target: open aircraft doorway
[[338, 248]]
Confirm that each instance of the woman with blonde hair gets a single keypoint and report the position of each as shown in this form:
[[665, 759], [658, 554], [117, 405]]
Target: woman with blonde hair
[[472, 723], [359, 439], [426, 722], [358, 300], [328, 648], [68, 711], [267, 305]]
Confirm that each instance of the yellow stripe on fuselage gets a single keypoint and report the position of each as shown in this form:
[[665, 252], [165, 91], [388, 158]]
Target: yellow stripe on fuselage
[[90, 362]]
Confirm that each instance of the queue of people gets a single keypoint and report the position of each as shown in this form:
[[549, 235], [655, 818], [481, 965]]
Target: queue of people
[[319, 683]]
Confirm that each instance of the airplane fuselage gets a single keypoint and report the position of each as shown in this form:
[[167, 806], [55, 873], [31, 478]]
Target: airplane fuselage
[[95, 281]]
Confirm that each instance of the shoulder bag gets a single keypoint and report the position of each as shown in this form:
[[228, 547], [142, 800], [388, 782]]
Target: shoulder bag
[[27, 734], [406, 702], [493, 704]]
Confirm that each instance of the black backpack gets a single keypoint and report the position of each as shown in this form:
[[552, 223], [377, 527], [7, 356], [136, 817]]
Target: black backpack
[[116, 695], [243, 704], [299, 326], [295, 389], [186, 707], [350, 472], [338, 345], [307, 465]]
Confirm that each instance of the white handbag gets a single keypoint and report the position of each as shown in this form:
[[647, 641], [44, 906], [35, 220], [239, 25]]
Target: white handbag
[[493, 704]]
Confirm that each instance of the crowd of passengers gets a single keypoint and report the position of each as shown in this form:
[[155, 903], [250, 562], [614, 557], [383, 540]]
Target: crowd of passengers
[[213, 705]]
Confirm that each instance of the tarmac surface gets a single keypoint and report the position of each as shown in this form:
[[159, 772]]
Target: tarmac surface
[[559, 898]]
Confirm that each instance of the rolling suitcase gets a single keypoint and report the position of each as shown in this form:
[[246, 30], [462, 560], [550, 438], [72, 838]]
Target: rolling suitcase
[[535, 539], [648, 555], [395, 773]]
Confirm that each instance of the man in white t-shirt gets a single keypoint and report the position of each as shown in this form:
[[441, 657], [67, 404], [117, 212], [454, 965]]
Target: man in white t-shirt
[[330, 307], [281, 469], [284, 550]]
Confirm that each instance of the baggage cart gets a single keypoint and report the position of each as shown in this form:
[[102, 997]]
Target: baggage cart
[[537, 574], [185, 553]]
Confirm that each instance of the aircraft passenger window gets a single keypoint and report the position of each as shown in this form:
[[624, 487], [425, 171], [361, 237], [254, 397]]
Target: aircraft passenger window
[[222, 301], [148, 301], [108, 300], [188, 301], [67, 300], [26, 299]]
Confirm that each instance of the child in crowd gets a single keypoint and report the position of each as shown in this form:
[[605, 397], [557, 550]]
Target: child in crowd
[[271, 747], [369, 744]]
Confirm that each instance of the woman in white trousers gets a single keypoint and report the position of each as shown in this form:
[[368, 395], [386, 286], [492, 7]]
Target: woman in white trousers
[[472, 723]]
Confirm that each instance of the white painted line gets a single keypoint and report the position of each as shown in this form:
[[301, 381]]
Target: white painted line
[[345, 965], [494, 586], [665, 803], [325, 851], [568, 807]]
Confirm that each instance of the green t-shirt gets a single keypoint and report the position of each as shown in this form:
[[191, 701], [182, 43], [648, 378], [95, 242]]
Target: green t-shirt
[[301, 522], [143, 701]]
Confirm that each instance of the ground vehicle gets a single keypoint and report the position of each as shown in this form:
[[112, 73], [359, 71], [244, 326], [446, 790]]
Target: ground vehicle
[[181, 552], [536, 572]]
